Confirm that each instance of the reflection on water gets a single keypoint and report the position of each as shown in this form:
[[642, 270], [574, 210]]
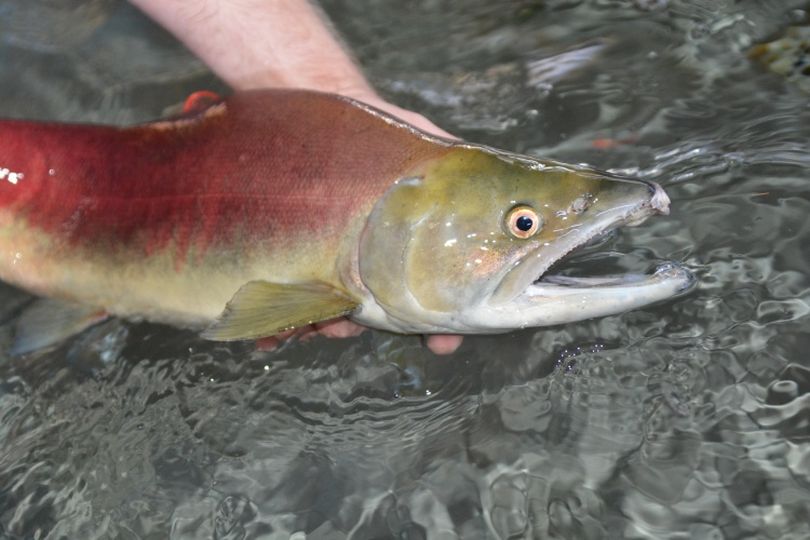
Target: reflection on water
[[686, 420]]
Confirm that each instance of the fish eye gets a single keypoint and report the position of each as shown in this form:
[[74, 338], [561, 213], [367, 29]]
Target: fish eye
[[523, 222]]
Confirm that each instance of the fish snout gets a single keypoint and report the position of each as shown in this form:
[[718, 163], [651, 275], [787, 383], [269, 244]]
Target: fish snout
[[659, 200]]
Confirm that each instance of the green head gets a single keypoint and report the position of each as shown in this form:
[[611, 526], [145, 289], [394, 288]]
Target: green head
[[460, 246]]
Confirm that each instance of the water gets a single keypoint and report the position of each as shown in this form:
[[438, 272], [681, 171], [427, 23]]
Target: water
[[685, 420]]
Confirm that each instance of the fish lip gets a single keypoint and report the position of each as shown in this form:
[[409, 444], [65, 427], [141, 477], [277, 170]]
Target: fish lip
[[657, 203], [671, 270]]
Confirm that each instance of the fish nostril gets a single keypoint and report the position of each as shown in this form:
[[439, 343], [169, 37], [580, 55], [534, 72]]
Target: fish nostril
[[581, 203]]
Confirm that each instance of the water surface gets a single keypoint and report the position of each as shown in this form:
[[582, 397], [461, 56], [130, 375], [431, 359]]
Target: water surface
[[684, 420]]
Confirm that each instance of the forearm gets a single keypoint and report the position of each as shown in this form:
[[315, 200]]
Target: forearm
[[262, 43]]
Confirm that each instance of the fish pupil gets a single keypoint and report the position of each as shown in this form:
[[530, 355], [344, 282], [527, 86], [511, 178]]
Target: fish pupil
[[524, 223]]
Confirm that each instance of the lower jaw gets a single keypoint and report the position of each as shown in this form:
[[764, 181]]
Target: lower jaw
[[671, 275]]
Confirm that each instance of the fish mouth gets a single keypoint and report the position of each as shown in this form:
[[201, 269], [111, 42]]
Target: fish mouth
[[630, 216], [531, 295]]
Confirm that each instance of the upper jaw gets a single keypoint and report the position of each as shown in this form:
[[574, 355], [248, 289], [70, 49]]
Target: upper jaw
[[534, 265]]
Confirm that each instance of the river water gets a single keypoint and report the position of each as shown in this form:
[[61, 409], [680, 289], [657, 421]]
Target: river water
[[684, 420]]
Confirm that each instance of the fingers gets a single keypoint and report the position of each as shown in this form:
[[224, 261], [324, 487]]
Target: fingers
[[339, 328], [440, 344], [273, 342], [444, 343]]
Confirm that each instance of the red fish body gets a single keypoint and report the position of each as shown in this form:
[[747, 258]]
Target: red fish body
[[258, 166], [263, 178], [278, 208]]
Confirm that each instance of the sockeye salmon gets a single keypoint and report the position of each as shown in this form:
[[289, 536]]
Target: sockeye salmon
[[274, 209]]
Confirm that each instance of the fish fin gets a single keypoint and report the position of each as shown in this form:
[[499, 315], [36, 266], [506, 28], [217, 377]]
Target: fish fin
[[194, 106], [47, 322], [261, 309], [200, 101]]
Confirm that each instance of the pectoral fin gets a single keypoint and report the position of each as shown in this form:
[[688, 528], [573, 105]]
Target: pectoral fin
[[47, 322], [261, 309]]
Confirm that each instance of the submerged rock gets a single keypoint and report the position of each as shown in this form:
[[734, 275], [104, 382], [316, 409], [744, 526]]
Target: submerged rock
[[788, 56]]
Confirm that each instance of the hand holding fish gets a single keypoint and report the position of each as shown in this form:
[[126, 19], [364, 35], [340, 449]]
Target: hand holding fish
[[281, 44], [285, 209]]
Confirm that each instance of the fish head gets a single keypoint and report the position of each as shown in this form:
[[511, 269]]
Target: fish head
[[464, 246]]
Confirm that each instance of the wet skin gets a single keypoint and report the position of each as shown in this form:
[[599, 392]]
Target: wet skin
[[364, 214]]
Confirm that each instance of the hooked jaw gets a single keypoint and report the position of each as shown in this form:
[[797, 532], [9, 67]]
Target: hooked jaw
[[559, 300], [529, 297]]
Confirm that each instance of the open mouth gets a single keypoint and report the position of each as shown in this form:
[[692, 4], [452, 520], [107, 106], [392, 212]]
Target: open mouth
[[612, 279], [583, 252], [598, 263]]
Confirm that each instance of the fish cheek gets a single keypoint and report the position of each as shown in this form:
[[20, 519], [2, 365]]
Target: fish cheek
[[448, 269]]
